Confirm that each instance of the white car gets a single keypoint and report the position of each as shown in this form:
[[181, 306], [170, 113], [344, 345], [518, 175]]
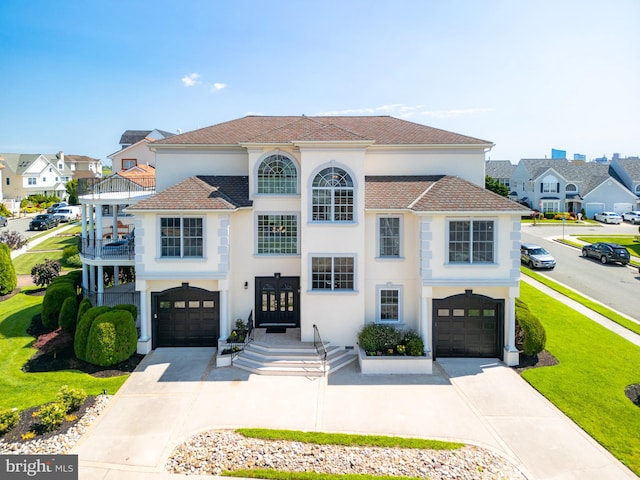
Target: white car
[[608, 217], [633, 216]]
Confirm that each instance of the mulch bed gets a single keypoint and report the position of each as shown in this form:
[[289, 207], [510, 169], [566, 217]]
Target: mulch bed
[[543, 359], [55, 353]]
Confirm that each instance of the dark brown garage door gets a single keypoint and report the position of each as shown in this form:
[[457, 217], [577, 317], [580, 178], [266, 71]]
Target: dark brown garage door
[[468, 325], [186, 317]]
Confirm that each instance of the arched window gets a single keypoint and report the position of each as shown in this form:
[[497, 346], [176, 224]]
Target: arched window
[[332, 191], [571, 187], [277, 174], [637, 188]]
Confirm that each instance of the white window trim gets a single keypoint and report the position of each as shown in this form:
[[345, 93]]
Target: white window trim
[[257, 167], [181, 258], [471, 262], [400, 255], [255, 234], [333, 291], [310, 187], [389, 286], [554, 203]]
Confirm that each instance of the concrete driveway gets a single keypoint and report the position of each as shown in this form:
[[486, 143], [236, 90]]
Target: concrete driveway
[[177, 392]]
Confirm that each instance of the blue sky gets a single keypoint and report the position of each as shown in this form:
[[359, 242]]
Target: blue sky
[[528, 76]]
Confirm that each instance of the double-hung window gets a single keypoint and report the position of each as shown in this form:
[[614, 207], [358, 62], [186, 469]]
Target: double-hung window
[[31, 181], [332, 196], [278, 234], [389, 236], [471, 241], [332, 273], [181, 237], [389, 304]]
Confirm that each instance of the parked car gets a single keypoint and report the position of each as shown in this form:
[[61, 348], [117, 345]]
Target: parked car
[[44, 221], [633, 216], [3, 221], [608, 217], [607, 252], [534, 256], [68, 214], [56, 206]]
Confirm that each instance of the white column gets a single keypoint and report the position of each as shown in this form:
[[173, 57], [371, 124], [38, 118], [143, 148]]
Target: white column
[[100, 284], [92, 234], [224, 314], [85, 277], [99, 222], [83, 213], [424, 324], [116, 271], [144, 342], [92, 279], [114, 224], [511, 354]]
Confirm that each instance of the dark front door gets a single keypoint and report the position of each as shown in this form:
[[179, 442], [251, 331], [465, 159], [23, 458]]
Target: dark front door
[[186, 317], [468, 326], [277, 301]]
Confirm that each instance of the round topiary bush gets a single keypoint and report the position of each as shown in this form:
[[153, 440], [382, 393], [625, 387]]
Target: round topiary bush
[[8, 278], [530, 334], [132, 309], [55, 296], [68, 315], [83, 306], [82, 330], [112, 339]]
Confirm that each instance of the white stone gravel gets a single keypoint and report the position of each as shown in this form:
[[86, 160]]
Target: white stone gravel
[[213, 452], [58, 444]]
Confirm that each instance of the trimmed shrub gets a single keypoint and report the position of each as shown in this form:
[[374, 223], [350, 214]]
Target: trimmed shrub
[[50, 416], [75, 276], [531, 337], [82, 330], [8, 278], [71, 398], [73, 261], [9, 418], [68, 315], [55, 296], [374, 337], [414, 344], [69, 251], [132, 309], [112, 339], [85, 304], [46, 272]]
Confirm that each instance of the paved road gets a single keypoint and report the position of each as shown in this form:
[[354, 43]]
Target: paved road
[[611, 284]]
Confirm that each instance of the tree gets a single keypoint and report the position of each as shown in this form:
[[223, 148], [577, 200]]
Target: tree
[[12, 239], [72, 191], [495, 186], [8, 278], [44, 273]]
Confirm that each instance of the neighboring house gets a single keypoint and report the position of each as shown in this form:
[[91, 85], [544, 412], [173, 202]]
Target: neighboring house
[[31, 174], [558, 185], [135, 150], [331, 222], [500, 170], [82, 166], [628, 171]]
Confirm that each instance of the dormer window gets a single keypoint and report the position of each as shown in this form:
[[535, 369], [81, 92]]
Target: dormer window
[[277, 174]]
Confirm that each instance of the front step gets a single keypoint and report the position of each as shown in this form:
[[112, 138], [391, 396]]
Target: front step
[[298, 359]]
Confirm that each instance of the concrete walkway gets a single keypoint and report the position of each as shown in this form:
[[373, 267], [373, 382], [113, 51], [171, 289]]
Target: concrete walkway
[[176, 393]]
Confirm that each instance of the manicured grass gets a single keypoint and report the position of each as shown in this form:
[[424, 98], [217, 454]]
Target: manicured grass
[[25, 262], [23, 390], [349, 440], [56, 242], [278, 475], [624, 240], [596, 307], [588, 384]]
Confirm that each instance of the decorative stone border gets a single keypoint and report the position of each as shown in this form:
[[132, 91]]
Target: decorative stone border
[[400, 365]]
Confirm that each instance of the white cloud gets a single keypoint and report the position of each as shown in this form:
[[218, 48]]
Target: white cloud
[[190, 80], [218, 86], [407, 111]]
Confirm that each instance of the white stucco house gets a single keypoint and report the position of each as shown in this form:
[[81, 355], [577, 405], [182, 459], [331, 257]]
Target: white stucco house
[[297, 221]]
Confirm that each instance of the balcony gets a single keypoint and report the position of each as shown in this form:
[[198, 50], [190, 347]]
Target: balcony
[[116, 186], [123, 249]]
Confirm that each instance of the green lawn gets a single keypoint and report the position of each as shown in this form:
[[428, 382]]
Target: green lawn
[[56, 242], [624, 240], [588, 384], [23, 390], [25, 262]]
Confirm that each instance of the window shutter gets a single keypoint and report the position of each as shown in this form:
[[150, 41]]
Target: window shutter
[[558, 187], [541, 187]]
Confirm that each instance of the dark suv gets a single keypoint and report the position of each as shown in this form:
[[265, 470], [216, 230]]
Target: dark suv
[[44, 221], [607, 252]]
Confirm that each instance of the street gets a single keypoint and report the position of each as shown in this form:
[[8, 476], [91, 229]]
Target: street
[[611, 284]]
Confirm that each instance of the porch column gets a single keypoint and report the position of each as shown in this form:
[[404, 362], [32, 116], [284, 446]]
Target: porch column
[[511, 355], [83, 216], [85, 277], [116, 271], [114, 224], [99, 225], [100, 284], [223, 285], [144, 342], [92, 233], [92, 279]]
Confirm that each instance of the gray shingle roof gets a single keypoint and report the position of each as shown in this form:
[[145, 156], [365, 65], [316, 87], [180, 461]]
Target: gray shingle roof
[[382, 130], [499, 168], [129, 137], [631, 166]]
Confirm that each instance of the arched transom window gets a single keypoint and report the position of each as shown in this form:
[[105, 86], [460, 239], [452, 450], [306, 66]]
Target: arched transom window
[[277, 174], [332, 191]]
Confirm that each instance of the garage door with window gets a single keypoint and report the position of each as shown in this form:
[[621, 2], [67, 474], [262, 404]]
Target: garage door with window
[[468, 325], [186, 317]]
